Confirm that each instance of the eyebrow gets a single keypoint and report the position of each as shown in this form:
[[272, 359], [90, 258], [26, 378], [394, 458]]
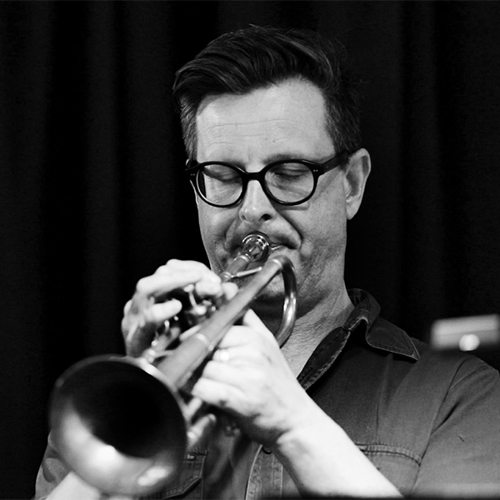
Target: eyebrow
[[273, 158], [281, 156]]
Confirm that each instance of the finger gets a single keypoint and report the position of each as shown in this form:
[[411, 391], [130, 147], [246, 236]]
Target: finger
[[184, 265], [209, 286], [245, 336], [209, 283], [229, 372], [251, 320], [237, 336], [222, 355], [160, 312], [216, 393], [243, 355], [162, 283], [126, 308], [230, 290], [141, 312]]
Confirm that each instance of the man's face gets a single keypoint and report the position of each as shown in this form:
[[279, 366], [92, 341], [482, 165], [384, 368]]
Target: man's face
[[280, 122]]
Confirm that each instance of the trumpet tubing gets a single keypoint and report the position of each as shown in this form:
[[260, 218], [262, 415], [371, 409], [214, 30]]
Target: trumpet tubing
[[124, 424]]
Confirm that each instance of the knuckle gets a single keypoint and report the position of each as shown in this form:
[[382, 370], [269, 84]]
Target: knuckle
[[210, 369], [161, 269], [126, 307], [125, 326], [150, 315], [141, 285]]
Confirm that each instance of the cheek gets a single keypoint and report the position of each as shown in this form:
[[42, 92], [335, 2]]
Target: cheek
[[207, 228], [213, 226], [326, 224], [325, 246], [324, 241]]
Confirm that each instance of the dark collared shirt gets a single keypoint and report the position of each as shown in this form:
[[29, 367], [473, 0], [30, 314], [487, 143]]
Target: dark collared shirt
[[429, 421]]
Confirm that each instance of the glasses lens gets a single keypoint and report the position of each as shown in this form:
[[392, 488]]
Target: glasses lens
[[219, 184], [290, 182]]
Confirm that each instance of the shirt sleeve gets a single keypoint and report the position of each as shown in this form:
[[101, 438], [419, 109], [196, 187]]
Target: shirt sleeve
[[52, 471], [463, 454]]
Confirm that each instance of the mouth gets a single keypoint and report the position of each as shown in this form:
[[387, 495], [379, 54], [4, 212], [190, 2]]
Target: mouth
[[234, 247], [276, 248]]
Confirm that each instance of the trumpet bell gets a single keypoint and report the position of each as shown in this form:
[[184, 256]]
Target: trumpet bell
[[124, 424], [116, 421]]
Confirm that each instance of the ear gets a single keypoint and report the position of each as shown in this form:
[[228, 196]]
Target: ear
[[355, 177]]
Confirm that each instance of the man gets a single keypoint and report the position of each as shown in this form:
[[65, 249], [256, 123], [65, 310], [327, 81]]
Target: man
[[349, 405]]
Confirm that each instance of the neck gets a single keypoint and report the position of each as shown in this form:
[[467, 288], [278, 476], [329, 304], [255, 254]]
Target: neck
[[311, 327]]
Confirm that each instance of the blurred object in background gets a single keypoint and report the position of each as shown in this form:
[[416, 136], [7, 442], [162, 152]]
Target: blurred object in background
[[479, 335]]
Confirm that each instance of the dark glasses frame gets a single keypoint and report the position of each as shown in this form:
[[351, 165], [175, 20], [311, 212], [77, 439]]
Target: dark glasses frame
[[193, 169]]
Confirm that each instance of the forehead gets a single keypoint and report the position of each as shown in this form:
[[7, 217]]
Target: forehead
[[275, 120]]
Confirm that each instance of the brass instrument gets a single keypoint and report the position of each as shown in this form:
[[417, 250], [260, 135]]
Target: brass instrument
[[125, 423]]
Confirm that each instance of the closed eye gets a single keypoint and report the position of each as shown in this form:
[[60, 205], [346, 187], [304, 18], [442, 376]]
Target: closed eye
[[221, 173]]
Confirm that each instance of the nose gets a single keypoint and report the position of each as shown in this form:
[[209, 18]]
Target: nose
[[256, 207]]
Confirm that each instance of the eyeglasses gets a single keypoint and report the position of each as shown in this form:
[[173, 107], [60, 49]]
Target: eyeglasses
[[287, 182]]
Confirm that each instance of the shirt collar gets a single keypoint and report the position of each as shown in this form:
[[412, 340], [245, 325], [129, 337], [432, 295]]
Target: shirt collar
[[377, 334], [363, 320]]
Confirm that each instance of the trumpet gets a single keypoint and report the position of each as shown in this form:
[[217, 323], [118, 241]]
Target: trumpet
[[125, 423]]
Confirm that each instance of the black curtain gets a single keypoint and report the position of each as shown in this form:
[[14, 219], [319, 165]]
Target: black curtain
[[93, 196]]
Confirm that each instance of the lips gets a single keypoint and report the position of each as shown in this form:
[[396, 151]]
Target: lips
[[274, 246], [279, 241]]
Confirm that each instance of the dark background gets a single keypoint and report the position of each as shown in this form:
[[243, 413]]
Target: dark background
[[93, 196]]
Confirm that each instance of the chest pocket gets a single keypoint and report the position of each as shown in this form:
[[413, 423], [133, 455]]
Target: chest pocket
[[189, 484], [399, 465]]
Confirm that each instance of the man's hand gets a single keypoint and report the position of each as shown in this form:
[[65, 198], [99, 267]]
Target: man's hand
[[250, 379], [151, 306], [248, 376]]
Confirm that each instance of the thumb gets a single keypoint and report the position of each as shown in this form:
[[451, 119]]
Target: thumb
[[251, 320]]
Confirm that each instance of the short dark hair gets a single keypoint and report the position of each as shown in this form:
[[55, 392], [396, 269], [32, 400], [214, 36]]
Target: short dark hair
[[257, 57]]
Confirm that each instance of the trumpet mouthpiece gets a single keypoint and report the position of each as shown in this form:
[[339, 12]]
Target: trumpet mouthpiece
[[255, 247]]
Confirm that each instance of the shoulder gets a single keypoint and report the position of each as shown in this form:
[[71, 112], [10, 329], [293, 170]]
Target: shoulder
[[444, 371]]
